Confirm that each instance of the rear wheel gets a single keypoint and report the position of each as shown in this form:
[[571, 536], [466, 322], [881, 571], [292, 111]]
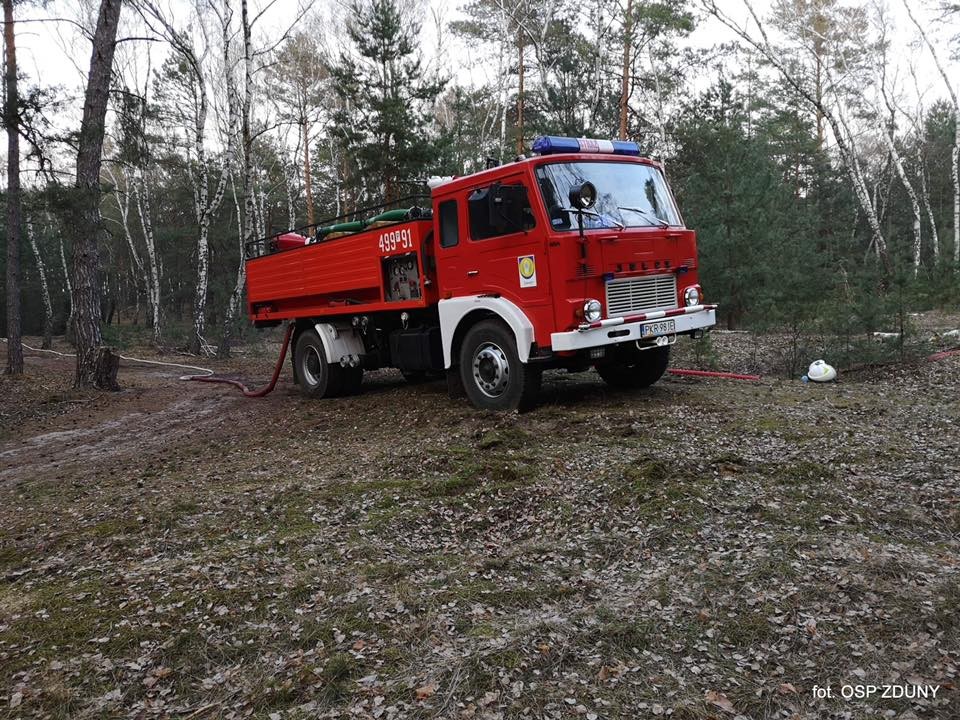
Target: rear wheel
[[317, 377], [630, 367], [492, 374]]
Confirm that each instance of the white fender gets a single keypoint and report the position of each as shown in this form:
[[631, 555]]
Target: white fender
[[452, 311], [341, 343]]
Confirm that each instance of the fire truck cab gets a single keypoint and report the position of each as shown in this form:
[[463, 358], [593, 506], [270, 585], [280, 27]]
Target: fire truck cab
[[573, 258]]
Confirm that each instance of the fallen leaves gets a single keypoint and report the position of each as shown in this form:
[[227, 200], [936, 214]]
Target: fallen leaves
[[293, 561], [720, 700], [425, 692], [611, 671]]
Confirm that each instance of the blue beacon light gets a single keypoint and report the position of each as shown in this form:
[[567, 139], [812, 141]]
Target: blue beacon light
[[553, 144]]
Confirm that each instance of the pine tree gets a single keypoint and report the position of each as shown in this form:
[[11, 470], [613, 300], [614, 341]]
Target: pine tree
[[384, 98]]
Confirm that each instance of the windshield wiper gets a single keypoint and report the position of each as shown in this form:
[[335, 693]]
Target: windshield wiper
[[650, 218], [592, 213]]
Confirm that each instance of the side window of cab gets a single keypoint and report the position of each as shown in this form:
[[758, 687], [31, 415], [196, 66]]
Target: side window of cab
[[500, 209], [449, 224]]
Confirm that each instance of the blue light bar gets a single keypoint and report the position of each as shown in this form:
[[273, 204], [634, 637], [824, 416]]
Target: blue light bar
[[625, 147], [553, 144]]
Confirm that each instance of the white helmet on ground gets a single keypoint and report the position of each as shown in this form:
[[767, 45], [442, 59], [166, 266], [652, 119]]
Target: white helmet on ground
[[821, 372]]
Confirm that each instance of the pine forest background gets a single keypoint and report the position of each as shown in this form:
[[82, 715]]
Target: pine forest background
[[818, 167]]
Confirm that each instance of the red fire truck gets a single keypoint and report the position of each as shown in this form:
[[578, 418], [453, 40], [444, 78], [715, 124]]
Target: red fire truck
[[575, 257]]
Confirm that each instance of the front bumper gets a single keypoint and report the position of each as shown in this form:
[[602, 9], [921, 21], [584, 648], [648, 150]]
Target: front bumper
[[627, 329]]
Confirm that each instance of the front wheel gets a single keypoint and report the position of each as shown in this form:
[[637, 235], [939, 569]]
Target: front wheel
[[630, 367], [492, 374]]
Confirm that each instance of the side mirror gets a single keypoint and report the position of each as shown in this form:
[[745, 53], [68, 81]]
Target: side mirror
[[506, 205], [583, 197]]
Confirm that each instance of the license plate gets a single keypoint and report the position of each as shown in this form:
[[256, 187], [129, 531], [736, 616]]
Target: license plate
[[664, 327]]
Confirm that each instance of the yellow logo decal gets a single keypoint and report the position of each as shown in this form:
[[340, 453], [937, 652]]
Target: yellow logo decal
[[527, 265]]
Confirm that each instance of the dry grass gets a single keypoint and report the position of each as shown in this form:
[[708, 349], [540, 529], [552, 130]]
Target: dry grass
[[177, 551]]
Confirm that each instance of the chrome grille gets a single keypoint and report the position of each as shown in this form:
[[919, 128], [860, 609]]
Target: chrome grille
[[641, 294]]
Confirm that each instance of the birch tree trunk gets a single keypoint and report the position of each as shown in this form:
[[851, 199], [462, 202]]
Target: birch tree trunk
[[520, 44], [246, 134], [205, 202], [248, 190], [121, 196], [928, 209], [203, 268], [911, 193], [846, 146], [96, 366], [233, 305], [916, 120], [661, 114], [144, 210], [889, 139], [67, 285], [205, 206], [955, 152], [288, 186], [44, 289], [11, 119], [334, 163], [625, 74], [503, 81], [307, 181], [836, 120]]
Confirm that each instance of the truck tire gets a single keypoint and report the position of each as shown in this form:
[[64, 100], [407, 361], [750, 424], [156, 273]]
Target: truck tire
[[492, 374], [317, 377], [632, 368]]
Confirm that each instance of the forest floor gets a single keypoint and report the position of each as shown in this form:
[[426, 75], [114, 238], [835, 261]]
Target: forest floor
[[701, 549]]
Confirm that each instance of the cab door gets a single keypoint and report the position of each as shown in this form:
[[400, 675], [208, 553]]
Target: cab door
[[505, 250], [450, 223]]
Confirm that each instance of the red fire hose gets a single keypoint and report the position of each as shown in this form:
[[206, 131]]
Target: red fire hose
[[945, 353], [247, 392], [711, 373]]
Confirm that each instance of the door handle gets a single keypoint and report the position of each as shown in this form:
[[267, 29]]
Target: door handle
[[471, 273]]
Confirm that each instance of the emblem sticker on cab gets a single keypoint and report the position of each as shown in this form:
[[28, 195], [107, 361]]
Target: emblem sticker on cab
[[527, 267]]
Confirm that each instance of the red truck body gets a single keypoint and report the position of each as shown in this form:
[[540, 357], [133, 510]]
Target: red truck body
[[344, 274], [609, 283]]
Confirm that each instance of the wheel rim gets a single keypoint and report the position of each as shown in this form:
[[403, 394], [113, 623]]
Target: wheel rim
[[312, 365], [491, 369]]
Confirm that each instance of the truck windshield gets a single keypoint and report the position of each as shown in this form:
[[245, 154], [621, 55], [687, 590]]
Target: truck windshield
[[628, 195]]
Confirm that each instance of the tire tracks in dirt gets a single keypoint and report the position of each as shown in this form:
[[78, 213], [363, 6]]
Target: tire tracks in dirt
[[112, 437]]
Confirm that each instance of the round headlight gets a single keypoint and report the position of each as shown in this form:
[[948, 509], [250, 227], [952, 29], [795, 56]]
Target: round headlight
[[592, 310], [691, 296]]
